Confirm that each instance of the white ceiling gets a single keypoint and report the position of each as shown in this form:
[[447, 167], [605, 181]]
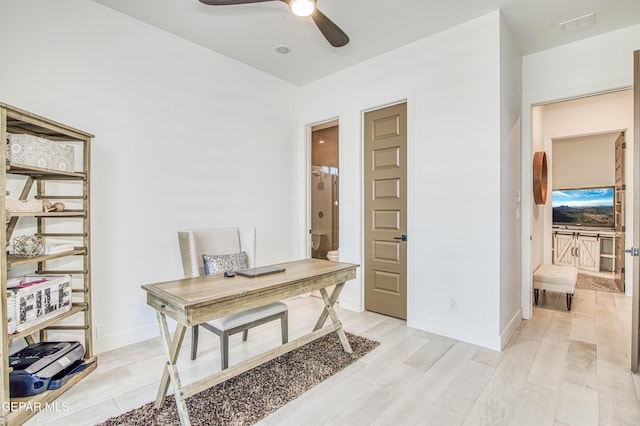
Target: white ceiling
[[250, 33]]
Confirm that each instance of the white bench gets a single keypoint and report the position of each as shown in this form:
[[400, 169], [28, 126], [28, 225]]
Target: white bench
[[555, 278]]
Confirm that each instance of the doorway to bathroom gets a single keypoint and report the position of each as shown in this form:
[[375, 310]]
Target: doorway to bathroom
[[325, 194]]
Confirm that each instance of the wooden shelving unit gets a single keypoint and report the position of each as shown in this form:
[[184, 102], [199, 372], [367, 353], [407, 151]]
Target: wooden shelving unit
[[41, 183], [619, 212]]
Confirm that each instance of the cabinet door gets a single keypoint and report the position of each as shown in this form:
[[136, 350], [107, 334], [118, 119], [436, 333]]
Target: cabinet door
[[563, 250], [588, 253]]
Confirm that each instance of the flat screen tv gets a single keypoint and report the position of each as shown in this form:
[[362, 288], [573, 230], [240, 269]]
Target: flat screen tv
[[583, 207]]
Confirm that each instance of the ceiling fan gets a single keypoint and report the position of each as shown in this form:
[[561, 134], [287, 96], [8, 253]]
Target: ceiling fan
[[334, 35]]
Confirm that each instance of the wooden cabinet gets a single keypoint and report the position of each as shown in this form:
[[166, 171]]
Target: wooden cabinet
[[586, 250], [71, 226], [581, 251], [563, 249]]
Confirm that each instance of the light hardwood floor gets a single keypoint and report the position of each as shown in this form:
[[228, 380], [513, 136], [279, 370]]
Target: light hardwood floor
[[561, 368]]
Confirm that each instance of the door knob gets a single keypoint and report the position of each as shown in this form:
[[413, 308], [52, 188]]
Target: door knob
[[402, 238]]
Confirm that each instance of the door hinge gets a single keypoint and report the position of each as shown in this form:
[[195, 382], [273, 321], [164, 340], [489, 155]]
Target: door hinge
[[635, 252], [624, 145]]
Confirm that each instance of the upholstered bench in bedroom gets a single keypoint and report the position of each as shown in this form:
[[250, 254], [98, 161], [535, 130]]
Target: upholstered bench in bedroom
[[555, 278]]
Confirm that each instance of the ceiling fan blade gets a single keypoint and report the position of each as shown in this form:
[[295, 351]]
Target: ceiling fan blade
[[334, 35], [231, 2]]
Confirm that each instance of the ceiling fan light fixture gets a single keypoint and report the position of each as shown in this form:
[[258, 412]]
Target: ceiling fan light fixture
[[334, 35], [302, 7]]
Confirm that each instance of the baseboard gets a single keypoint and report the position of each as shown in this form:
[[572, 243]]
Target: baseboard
[[113, 341], [127, 337], [511, 328], [636, 384], [454, 331]]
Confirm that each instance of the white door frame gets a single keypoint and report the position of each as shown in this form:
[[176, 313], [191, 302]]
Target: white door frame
[[308, 137], [527, 182], [635, 278]]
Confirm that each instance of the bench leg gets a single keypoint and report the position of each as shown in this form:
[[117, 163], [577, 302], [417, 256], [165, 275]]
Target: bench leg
[[535, 295], [569, 298]]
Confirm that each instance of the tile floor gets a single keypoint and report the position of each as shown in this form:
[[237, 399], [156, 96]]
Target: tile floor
[[561, 368]]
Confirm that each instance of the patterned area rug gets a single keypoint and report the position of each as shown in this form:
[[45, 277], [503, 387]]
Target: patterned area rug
[[590, 282], [252, 395]]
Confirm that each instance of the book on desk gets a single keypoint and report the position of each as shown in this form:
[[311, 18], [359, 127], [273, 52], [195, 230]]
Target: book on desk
[[260, 271]]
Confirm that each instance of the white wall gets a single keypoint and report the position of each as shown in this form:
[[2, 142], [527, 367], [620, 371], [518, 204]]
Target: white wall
[[594, 65], [184, 138], [451, 82]]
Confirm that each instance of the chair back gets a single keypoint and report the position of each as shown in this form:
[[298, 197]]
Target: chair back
[[214, 241]]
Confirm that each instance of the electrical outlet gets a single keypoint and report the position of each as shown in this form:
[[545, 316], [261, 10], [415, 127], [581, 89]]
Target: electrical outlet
[[453, 304], [100, 331]]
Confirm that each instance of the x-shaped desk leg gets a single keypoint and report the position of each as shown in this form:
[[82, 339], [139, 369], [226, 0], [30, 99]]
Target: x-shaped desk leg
[[332, 300], [171, 350], [329, 311]]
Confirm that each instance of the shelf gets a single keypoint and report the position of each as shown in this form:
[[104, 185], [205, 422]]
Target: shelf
[[44, 324], [13, 260], [19, 120], [71, 226], [593, 231], [47, 397], [24, 169], [66, 213]]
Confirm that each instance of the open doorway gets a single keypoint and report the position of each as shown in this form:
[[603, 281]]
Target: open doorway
[[325, 191], [580, 137], [588, 208]]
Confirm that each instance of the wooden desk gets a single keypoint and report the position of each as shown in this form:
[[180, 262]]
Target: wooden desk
[[192, 301]]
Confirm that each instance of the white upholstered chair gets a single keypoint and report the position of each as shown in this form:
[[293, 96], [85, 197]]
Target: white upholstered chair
[[194, 243]]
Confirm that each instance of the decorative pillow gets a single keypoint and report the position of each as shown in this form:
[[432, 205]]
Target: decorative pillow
[[217, 264]]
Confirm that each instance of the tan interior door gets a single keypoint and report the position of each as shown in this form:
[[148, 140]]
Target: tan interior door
[[385, 177], [635, 322]]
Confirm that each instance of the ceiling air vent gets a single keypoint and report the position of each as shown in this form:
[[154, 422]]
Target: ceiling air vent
[[579, 24]]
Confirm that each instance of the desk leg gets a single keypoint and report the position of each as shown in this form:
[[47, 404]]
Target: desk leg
[[171, 350], [328, 307], [334, 296]]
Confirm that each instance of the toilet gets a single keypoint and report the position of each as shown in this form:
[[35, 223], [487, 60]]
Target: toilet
[[334, 255], [319, 246]]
